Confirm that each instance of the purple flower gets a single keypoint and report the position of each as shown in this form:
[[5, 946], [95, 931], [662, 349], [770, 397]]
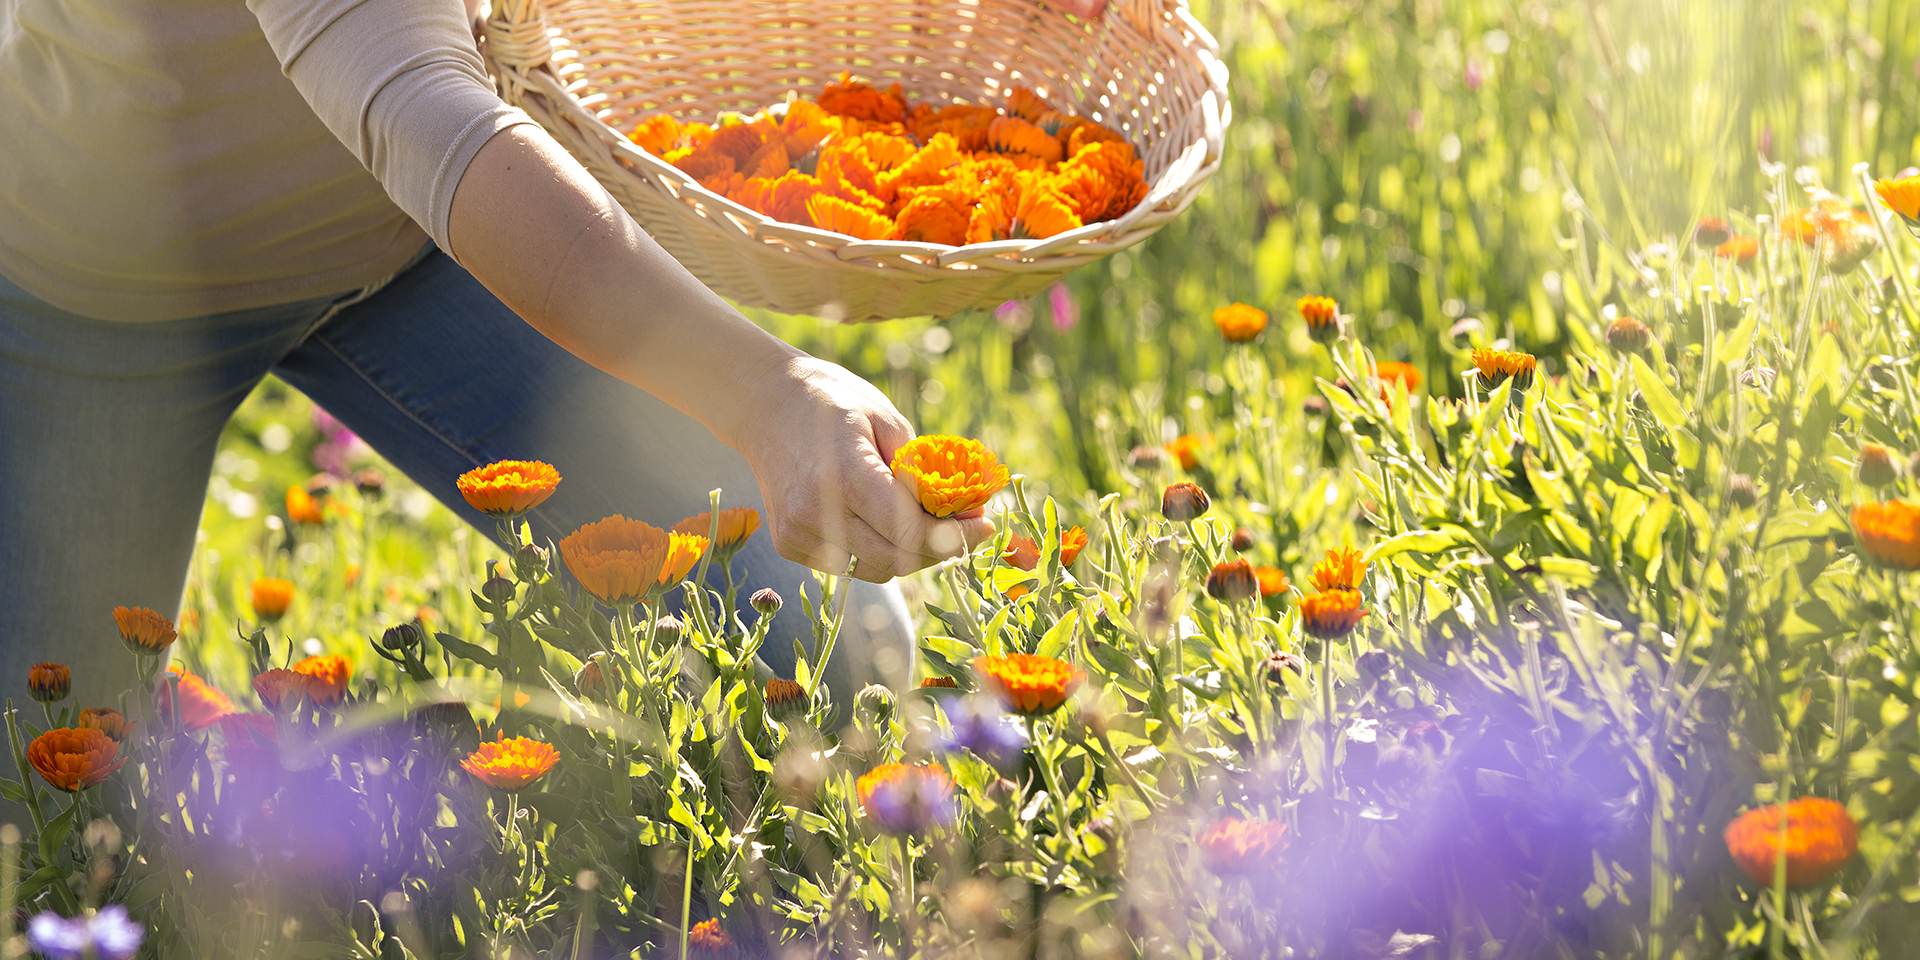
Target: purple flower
[[1065, 312], [108, 934], [980, 725], [905, 800]]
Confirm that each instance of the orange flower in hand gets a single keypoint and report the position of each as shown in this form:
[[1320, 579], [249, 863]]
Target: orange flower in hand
[[1029, 684], [511, 764], [506, 488], [74, 758], [950, 476]]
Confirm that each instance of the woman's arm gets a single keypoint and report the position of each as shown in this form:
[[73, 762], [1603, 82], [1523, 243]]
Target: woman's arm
[[401, 84]]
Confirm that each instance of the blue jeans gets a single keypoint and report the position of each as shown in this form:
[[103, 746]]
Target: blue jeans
[[108, 432]]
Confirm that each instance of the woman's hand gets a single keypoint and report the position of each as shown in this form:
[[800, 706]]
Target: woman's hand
[[820, 444]]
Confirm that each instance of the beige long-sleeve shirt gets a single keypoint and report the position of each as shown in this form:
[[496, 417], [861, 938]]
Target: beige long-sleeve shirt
[[187, 157]]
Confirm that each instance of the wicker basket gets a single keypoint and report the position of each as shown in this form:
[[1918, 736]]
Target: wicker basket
[[589, 70]]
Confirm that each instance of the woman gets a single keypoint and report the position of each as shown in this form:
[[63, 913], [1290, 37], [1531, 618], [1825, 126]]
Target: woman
[[198, 193]]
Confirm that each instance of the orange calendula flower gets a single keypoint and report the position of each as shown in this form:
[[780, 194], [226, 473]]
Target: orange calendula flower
[[506, 488], [1185, 449], [1233, 846], [144, 630], [1497, 366], [1813, 838], [1322, 316], [107, 720], [1889, 533], [737, 524], [1239, 322], [657, 134], [1331, 614], [280, 690], [852, 98], [844, 216], [782, 693], [1013, 135], [1103, 179], [1394, 371], [683, 551], [74, 758], [201, 704], [511, 764], [1233, 580], [1741, 248], [617, 560], [1343, 569], [303, 508], [1024, 553], [933, 216], [1182, 502], [49, 682], [271, 596], [1029, 684], [706, 939], [950, 476], [326, 676], [1273, 582], [1901, 195]]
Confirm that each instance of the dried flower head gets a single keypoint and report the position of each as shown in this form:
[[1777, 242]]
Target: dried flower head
[[1711, 232], [326, 677], [1889, 533], [903, 799], [506, 488], [951, 476], [144, 630], [1233, 580], [49, 682], [1028, 684], [74, 758], [1812, 838], [107, 720], [1901, 195], [1343, 569], [511, 764], [737, 524], [1239, 322], [1233, 846], [1627, 335], [270, 597], [1182, 502], [1498, 366], [1331, 614], [616, 559], [1322, 316], [1876, 465]]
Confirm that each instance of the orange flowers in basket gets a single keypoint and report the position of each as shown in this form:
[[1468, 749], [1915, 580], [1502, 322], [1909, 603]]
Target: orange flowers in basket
[[865, 162]]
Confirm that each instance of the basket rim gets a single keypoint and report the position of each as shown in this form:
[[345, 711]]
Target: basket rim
[[1168, 195]]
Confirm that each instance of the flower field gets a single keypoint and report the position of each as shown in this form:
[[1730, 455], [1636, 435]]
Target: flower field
[[1484, 525]]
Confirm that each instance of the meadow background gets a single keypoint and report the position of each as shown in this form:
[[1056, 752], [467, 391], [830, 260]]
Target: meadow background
[[1457, 173]]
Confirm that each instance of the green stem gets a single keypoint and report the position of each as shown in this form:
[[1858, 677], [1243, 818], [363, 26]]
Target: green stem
[[909, 902], [686, 885]]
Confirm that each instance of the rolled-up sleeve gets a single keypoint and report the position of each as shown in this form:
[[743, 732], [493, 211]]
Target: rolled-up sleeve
[[400, 83]]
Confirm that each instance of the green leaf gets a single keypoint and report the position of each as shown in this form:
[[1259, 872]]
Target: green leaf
[[1415, 541], [467, 651], [1660, 400], [1059, 636]]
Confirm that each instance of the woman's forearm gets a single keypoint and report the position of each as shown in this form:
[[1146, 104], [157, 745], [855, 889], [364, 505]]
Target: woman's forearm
[[533, 226]]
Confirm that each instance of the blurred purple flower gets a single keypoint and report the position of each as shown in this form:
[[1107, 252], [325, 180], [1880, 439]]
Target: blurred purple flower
[[335, 451], [979, 724], [1476, 75], [1065, 313], [1014, 315], [108, 934], [911, 801]]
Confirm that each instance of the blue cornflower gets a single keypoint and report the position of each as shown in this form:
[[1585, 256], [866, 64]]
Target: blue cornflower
[[106, 934]]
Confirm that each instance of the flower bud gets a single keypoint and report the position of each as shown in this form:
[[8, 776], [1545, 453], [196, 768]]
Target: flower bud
[[1242, 539], [1233, 581], [1741, 490], [765, 601], [1184, 501], [49, 682], [1876, 466], [1627, 335], [529, 561], [785, 697], [403, 636], [668, 628], [371, 483], [1280, 663], [591, 678], [873, 705], [320, 486], [497, 589]]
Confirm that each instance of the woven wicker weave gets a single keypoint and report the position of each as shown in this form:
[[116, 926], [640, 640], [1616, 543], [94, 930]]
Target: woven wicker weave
[[590, 70]]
